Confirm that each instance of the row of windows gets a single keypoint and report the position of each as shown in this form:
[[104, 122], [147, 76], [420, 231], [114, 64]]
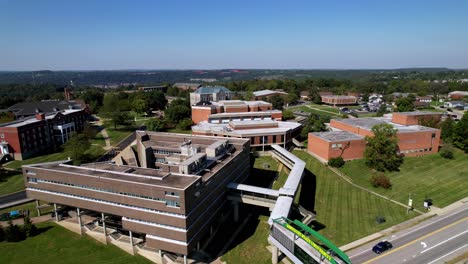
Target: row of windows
[[154, 224], [106, 202], [165, 152], [167, 202], [337, 145], [416, 150]]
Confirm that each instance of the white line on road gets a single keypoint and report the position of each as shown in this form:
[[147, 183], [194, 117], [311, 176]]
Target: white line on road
[[447, 254], [423, 244], [394, 236], [438, 244]]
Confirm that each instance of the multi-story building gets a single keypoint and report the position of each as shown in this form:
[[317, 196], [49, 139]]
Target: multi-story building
[[210, 94], [29, 109], [234, 110], [172, 197], [42, 133], [261, 133], [339, 100], [348, 136]]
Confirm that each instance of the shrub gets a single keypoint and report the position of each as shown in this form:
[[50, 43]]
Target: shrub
[[380, 180], [13, 233], [29, 228], [184, 124], [336, 162], [446, 152], [2, 234]]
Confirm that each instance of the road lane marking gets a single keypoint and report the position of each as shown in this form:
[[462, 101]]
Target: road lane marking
[[447, 254], [394, 236], [438, 244], [423, 244], [416, 240]]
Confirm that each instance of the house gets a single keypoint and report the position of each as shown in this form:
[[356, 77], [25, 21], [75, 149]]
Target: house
[[456, 95]]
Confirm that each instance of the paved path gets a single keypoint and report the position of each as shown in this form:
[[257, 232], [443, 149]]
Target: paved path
[[436, 240], [104, 134]]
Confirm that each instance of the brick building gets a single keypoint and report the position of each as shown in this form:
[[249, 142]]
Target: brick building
[[24, 138], [457, 95], [234, 110], [259, 95], [173, 199], [339, 99], [348, 136]]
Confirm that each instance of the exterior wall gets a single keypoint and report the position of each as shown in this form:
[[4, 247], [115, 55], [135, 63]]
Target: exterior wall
[[201, 114], [419, 143], [338, 101], [413, 119], [277, 116], [345, 127], [354, 149]]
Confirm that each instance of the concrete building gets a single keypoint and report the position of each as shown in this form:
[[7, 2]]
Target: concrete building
[[234, 110], [24, 138], [187, 86], [347, 136], [261, 133], [160, 88], [210, 94], [259, 95], [171, 199], [339, 100]]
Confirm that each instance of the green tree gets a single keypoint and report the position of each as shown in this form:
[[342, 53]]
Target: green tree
[[156, 100], [155, 124], [276, 101], [139, 105], [2, 234], [382, 110], [13, 233], [185, 124], [461, 133], [447, 129], [405, 104], [76, 147], [288, 115], [315, 123], [382, 152], [175, 113], [292, 99], [172, 91], [29, 228]]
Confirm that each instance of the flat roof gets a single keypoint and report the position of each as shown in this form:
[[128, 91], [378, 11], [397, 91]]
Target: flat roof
[[267, 92], [336, 136], [260, 113], [368, 122], [417, 113], [281, 209], [122, 173], [226, 129], [33, 119]]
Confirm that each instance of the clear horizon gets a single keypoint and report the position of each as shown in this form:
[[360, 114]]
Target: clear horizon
[[213, 35]]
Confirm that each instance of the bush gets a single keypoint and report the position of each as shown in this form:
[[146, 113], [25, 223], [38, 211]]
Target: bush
[[446, 152], [2, 234], [29, 228], [336, 162], [380, 180], [185, 124], [13, 233]]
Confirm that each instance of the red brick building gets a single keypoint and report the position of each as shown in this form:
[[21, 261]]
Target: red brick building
[[348, 137], [339, 100], [234, 110], [40, 134]]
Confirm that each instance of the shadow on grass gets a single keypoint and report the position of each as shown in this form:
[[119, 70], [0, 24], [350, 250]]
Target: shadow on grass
[[261, 178], [41, 230], [308, 191]]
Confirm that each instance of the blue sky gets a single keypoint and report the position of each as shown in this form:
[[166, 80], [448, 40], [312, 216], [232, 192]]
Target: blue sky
[[174, 34]]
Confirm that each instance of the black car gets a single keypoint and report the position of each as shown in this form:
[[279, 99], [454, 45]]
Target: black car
[[382, 246]]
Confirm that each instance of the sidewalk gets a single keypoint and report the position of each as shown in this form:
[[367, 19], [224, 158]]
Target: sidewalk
[[405, 225]]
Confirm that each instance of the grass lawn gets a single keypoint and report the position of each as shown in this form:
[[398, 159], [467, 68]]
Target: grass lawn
[[282, 177], [16, 164], [55, 244], [344, 213], [310, 110], [31, 206], [11, 182], [117, 135], [251, 243], [430, 176], [180, 131]]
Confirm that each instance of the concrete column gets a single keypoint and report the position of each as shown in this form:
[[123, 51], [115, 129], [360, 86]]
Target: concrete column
[[37, 208], [131, 241], [161, 255], [78, 215], [236, 211], [185, 259], [104, 227], [55, 210], [274, 255], [198, 246]]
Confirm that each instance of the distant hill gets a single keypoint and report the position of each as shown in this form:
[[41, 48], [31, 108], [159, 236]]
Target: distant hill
[[126, 77]]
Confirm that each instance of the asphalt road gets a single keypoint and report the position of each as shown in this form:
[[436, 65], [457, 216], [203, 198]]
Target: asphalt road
[[9, 198], [436, 240]]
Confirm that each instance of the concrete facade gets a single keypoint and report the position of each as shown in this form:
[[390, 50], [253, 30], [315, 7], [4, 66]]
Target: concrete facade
[[339, 99], [172, 199]]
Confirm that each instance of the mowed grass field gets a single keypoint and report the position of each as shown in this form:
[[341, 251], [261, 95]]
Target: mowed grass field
[[344, 212], [430, 176], [11, 183], [55, 244]]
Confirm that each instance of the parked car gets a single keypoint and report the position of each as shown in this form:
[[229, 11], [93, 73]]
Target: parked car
[[382, 247], [449, 109]]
